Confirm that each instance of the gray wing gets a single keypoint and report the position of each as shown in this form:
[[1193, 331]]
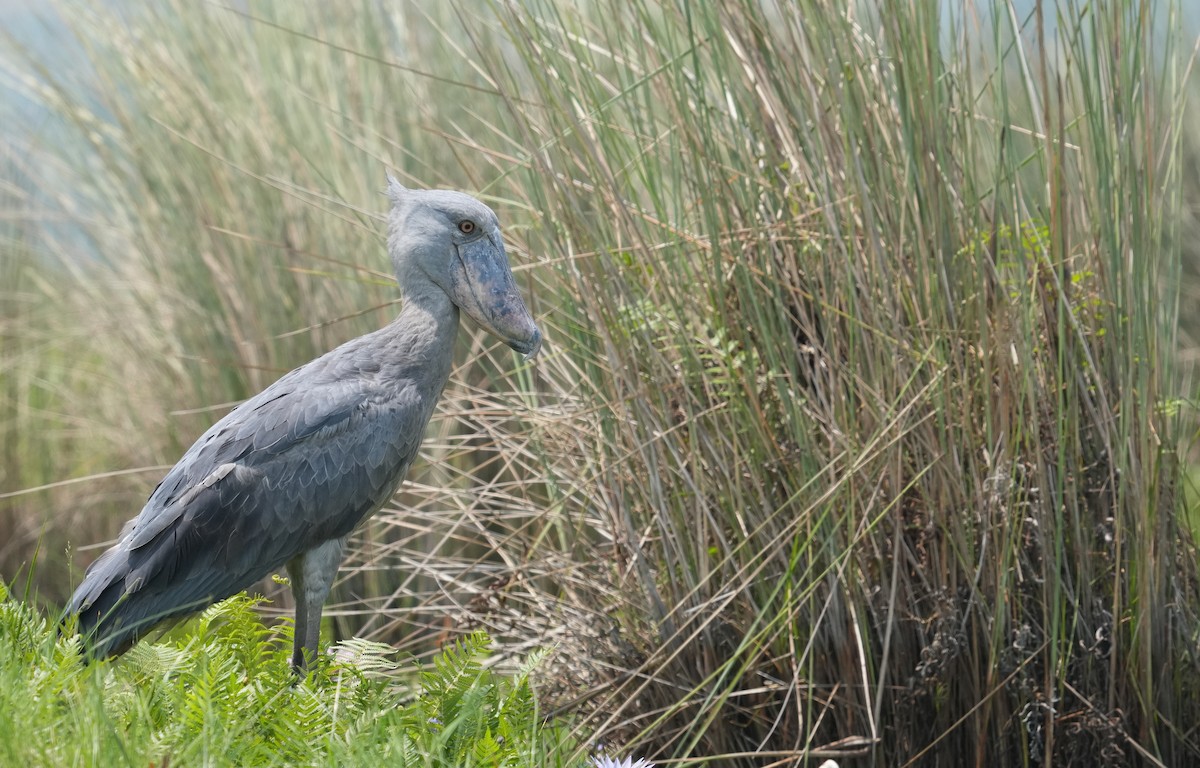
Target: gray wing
[[301, 463]]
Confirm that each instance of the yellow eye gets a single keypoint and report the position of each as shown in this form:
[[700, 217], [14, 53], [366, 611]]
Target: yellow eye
[[466, 226]]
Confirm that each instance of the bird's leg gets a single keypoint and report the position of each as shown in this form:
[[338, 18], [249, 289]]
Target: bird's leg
[[312, 576], [295, 569]]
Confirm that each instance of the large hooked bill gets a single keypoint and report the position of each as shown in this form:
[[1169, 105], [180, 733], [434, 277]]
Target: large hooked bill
[[485, 289]]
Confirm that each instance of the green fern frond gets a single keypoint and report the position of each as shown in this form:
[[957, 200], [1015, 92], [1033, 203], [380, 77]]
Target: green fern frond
[[369, 658], [456, 667], [22, 630], [220, 691], [487, 751]]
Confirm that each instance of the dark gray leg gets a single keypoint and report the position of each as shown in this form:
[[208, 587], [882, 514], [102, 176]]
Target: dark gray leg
[[312, 576], [295, 569]]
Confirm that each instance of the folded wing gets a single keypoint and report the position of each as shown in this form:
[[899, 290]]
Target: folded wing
[[287, 470]]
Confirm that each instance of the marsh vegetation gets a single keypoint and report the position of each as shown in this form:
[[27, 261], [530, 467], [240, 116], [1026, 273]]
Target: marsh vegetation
[[860, 432]]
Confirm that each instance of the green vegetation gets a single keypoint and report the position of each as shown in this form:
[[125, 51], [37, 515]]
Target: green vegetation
[[223, 693], [860, 431]]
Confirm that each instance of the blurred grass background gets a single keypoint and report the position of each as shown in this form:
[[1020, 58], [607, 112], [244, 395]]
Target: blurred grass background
[[864, 428]]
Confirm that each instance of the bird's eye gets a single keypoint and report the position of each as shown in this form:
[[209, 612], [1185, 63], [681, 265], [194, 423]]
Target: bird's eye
[[466, 226]]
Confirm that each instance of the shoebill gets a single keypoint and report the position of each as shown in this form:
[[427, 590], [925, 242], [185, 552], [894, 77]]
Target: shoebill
[[283, 479]]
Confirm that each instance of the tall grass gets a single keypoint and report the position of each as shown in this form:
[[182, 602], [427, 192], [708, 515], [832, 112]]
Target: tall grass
[[859, 431]]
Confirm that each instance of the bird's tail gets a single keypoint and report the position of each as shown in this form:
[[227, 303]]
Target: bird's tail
[[107, 608]]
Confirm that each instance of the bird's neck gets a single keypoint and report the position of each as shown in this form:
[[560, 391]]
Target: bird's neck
[[422, 335]]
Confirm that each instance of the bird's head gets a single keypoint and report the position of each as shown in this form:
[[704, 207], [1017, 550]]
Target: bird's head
[[449, 241]]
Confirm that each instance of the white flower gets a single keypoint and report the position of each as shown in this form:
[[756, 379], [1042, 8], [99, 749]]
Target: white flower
[[608, 762]]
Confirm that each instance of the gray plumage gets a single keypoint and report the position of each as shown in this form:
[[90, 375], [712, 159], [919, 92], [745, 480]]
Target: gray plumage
[[285, 477]]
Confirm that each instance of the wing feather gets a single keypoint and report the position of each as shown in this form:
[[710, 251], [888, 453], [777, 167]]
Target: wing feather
[[302, 462]]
